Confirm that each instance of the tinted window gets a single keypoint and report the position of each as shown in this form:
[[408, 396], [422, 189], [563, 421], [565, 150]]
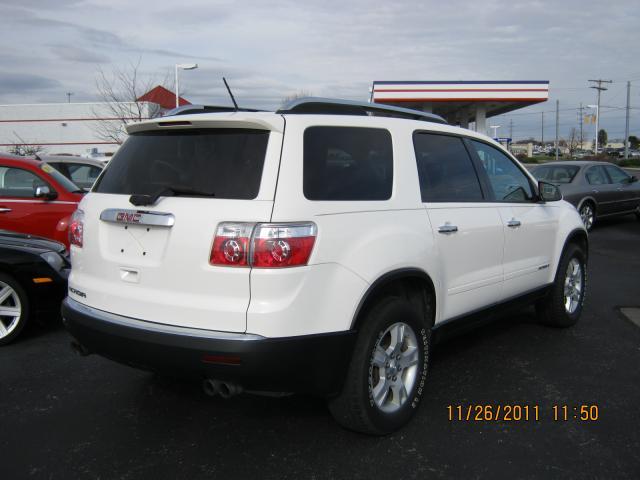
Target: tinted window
[[616, 174], [82, 174], [596, 176], [16, 182], [225, 162], [557, 173], [67, 184], [347, 163], [508, 182], [445, 170]]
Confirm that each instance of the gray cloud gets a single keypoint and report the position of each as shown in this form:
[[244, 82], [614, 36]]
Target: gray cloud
[[25, 82], [269, 50]]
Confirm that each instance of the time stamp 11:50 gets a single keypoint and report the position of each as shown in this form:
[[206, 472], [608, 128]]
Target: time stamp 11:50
[[522, 413]]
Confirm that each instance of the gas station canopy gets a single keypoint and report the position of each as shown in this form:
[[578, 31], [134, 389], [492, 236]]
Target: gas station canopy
[[462, 102]]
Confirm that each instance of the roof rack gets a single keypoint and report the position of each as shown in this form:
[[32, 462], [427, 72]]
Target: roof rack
[[187, 109], [330, 106]]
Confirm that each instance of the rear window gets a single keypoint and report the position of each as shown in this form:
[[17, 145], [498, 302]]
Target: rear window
[[557, 173], [225, 162], [347, 163]]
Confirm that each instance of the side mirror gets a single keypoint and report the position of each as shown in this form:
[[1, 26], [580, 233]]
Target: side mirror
[[43, 191], [633, 179], [549, 192]]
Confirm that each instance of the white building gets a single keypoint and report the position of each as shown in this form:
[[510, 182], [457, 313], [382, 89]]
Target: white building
[[75, 128]]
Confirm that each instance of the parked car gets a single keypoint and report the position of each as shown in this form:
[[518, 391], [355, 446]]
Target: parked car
[[320, 258], [33, 281], [35, 198], [81, 171], [596, 189]]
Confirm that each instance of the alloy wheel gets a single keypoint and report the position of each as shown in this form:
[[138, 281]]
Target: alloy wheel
[[10, 309], [394, 367], [573, 281], [587, 215]]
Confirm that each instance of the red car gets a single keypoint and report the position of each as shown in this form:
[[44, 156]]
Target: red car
[[35, 198]]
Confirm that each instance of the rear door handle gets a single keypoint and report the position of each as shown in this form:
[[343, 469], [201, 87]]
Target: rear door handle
[[4, 210], [513, 223], [447, 228]]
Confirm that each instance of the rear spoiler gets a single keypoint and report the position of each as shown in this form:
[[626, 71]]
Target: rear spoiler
[[255, 120]]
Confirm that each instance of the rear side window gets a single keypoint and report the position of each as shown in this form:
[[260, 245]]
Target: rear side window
[[557, 174], [225, 162], [445, 170], [347, 163]]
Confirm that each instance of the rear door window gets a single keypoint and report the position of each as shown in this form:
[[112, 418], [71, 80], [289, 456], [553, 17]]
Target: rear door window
[[224, 162], [347, 163], [445, 170], [596, 175]]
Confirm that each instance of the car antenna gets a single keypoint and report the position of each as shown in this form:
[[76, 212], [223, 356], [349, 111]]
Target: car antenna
[[230, 94]]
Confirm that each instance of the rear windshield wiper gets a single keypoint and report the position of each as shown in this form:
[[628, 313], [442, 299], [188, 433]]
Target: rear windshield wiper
[[167, 191]]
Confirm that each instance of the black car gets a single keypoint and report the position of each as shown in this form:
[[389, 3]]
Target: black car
[[33, 281]]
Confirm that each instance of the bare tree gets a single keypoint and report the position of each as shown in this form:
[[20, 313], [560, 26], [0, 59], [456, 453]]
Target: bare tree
[[293, 96], [573, 141], [25, 149], [120, 92]]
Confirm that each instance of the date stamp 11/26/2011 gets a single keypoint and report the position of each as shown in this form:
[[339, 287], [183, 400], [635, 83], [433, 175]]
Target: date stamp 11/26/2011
[[522, 413]]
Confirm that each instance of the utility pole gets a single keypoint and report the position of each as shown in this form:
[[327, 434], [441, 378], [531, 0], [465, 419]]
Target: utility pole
[[581, 121], [511, 129], [626, 127], [542, 134], [600, 89], [69, 97], [557, 128]]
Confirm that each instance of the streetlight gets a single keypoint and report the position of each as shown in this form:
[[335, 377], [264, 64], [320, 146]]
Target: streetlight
[[182, 66], [495, 130], [595, 151]]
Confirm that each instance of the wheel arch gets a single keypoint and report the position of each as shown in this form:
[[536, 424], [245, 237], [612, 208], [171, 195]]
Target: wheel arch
[[411, 283], [588, 199], [577, 236]]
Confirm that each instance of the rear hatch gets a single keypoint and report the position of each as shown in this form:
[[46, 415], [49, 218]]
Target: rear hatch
[[150, 261]]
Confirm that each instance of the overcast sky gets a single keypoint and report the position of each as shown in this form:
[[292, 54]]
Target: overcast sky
[[273, 48]]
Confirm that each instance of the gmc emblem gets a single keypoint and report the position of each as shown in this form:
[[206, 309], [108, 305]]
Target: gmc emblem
[[125, 217]]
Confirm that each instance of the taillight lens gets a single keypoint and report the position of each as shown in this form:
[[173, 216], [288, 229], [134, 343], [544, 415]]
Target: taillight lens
[[76, 228], [263, 245], [286, 245], [231, 244]]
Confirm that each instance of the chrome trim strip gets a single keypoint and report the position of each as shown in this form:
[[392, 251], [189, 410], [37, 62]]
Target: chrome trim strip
[[101, 315], [137, 217]]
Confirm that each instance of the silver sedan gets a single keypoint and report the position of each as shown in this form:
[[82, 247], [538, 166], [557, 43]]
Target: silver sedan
[[597, 189]]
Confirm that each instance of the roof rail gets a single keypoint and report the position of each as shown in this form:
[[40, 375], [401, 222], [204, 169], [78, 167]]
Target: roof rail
[[330, 106], [188, 109]]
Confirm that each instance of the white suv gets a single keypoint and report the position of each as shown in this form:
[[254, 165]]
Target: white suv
[[312, 249]]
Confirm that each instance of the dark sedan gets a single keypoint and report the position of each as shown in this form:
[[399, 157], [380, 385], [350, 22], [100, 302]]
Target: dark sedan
[[597, 189], [33, 281]]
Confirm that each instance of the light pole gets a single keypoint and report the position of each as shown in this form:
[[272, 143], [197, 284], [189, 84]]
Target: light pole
[[495, 130], [182, 66], [595, 151]]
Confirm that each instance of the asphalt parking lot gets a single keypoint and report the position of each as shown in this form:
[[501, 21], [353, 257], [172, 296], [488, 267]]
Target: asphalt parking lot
[[62, 416]]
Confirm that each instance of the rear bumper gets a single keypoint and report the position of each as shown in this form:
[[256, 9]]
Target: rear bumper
[[311, 364]]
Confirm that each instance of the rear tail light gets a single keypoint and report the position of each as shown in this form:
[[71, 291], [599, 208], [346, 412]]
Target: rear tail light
[[286, 245], [263, 245], [76, 228], [231, 245]]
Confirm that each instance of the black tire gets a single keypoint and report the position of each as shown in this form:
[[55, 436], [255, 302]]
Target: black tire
[[584, 212], [355, 408], [24, 305], [552, 310]]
